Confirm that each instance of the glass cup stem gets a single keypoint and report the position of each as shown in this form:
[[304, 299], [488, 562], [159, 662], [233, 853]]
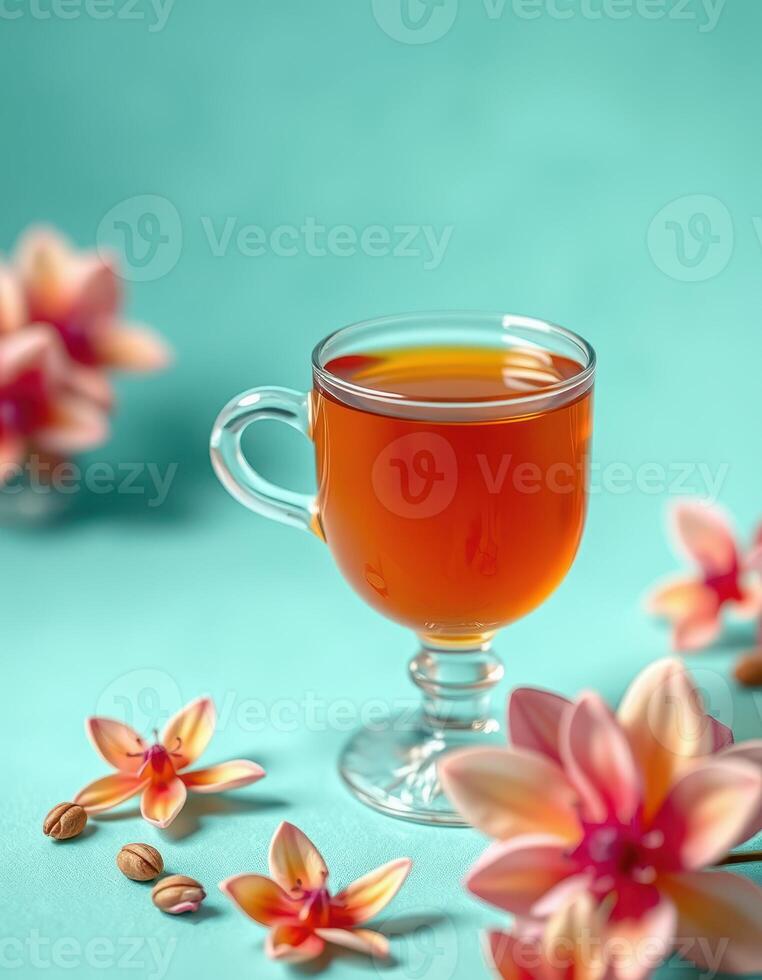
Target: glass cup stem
[[456, 681]]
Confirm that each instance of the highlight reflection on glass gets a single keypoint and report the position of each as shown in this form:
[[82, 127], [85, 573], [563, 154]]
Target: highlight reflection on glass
[[451, 455]]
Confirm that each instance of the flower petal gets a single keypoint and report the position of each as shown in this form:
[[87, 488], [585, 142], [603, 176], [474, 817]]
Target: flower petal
[[722, 735], [534, 717], [76, 425], [699, 631], [367, 896], [750, 752], [132, 349], [599, 761], [505, 792], [12, 305], [45, 263], [161, 802], [12, 455], [706, 812], [636, 945], [109, 791], [704, 534], [293, 944], [722, 914], [295, 862], [693, 608], [358, 940], [516, 957], [664, 718], [91, 383], [116, 743], [222, 777], [572, 940], [34, 346], [96, 289], [260, 898], [516, 874], [749, 606], [188, 732]]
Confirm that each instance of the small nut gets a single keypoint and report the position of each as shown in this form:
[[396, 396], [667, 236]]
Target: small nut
[[748, 670], [178, 893], [64, 821], [141, 862]]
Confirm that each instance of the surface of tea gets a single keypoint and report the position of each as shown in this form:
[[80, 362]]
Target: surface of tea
[[453, 526]]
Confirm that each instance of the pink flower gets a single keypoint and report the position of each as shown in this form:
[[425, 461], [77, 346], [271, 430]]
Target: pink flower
[[628, 809], [43, 408], [79, 294], [156, 770], [296, 905], [693, 604]]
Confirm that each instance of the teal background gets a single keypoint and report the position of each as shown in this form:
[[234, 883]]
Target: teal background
[[549, 146]]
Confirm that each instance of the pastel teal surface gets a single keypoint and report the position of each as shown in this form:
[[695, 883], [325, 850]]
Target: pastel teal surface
[[547, 146]]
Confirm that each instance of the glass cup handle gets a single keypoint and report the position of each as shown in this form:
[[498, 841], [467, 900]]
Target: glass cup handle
[[239, 478]]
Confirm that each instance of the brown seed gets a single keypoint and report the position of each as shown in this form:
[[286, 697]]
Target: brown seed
[[141, 862], [178, 893], [749, 669], [64, 821]]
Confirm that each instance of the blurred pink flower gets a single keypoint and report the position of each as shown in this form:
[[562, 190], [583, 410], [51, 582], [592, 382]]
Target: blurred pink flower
[[79, 293], [301, 913], [155, 770], [43, 408], [627, 809], [693, 604]]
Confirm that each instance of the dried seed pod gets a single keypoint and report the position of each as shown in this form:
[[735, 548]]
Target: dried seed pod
[[178, 893], [64, 821], [748, 669], [141, 862]]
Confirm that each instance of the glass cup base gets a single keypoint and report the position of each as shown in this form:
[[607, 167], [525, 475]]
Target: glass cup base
[[392, 766]]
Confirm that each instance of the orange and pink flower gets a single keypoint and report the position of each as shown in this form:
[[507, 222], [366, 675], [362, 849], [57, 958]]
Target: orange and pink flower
[[627, 809], [61, 330], [302, 915], [726, 577], [80, 295], [156, 771], [43, 406]]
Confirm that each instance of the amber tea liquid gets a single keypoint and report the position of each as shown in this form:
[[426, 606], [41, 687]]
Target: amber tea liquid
[[461, 509]]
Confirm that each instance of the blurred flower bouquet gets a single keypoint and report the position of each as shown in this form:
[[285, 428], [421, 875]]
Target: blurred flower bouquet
[[61, 333]]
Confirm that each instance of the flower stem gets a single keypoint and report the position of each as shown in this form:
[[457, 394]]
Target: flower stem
[[740, 857]]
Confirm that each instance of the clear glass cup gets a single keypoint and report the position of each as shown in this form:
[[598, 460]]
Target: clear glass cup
[[452, 471]]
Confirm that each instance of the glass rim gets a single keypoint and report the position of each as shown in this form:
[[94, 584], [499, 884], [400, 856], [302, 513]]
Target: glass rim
[[582, 379]]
